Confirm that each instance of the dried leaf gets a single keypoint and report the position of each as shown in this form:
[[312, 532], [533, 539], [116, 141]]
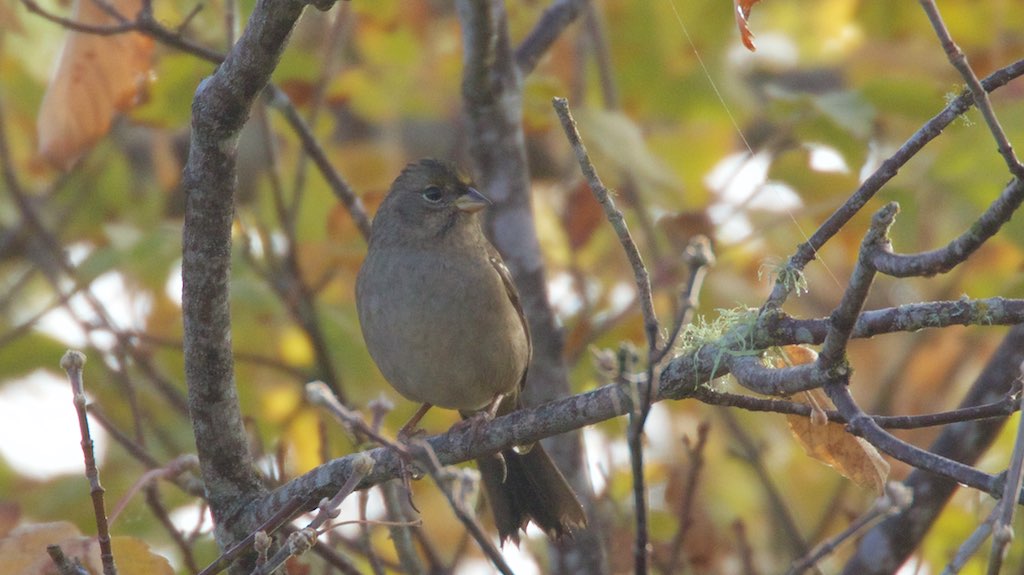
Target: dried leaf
[[831, 444], [96, 77], [798, 355], [741, 9], [582, 215], [24, 551]]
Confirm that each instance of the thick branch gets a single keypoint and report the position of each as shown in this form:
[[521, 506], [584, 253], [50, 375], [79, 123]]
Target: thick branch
[[908, 317], [946, 258], [220, 108], [463, 444]]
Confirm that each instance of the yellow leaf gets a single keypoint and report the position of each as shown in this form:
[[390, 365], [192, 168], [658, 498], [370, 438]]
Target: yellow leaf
[[96, 77], [133, 557], [295, 347], [304, 441], [279, 402]]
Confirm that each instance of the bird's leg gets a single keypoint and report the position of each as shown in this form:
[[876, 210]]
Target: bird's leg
[[409, 430]]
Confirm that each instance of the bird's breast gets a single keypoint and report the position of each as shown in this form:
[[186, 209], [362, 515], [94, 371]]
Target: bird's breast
[[441, 329]]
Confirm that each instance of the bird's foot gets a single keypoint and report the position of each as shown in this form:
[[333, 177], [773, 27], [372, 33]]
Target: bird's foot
[[408, 435], [474, 424]]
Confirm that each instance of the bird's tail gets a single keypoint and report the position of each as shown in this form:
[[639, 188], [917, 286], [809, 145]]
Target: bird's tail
[[527, 486]]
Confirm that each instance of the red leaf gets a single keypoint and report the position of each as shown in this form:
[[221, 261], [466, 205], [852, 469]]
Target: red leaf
[[742, 13]]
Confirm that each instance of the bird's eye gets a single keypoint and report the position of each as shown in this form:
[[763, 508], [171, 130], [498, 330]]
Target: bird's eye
[[432, 194]]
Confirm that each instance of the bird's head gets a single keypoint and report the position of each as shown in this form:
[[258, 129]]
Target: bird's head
[[429, 200]]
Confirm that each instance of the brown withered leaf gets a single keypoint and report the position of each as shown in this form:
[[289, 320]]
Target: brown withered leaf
[[681, 227], [95, 78], [831, 444], [827, 442], [741, 10], [582, 216]]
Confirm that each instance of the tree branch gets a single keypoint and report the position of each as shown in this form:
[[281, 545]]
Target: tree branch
[[220, 108], [807, 251]]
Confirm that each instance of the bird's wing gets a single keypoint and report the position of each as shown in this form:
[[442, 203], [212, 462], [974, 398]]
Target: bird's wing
[[513, 296]]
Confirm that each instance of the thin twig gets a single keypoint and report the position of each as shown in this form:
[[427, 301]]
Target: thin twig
[[959, 61], [896, 498], [341, 189], [643, 284], [698, 258], [318, 393], [301, 541], [176, 467], [281, 516], [684, 515], [460, 487], [401, 528], [365, 539], [284, 274], [844, 317], [71, 24], [957, 251], [1002, 530], [750, 453], [336, 36], [997, 409], [73, 362], [861, 425], [969, 547], [159, 511], [615, 217], [148, 25], [64, 565], [745, 552]]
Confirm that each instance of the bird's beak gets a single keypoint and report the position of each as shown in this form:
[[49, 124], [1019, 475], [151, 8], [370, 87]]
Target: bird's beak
[[471, 201]]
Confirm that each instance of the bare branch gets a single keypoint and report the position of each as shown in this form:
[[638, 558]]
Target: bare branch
[[957, 251], [807, 251], [73, 363], [643, 285], [556, 18], [959, 61]]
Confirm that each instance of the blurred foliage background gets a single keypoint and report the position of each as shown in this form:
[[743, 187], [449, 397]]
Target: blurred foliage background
[[697, 134]]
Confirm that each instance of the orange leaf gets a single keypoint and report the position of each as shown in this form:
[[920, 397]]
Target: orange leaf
[[741, 8], [831, 444], [96, 77]]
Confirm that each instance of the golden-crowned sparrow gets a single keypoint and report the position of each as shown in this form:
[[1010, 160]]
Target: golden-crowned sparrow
[[443, 322]]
